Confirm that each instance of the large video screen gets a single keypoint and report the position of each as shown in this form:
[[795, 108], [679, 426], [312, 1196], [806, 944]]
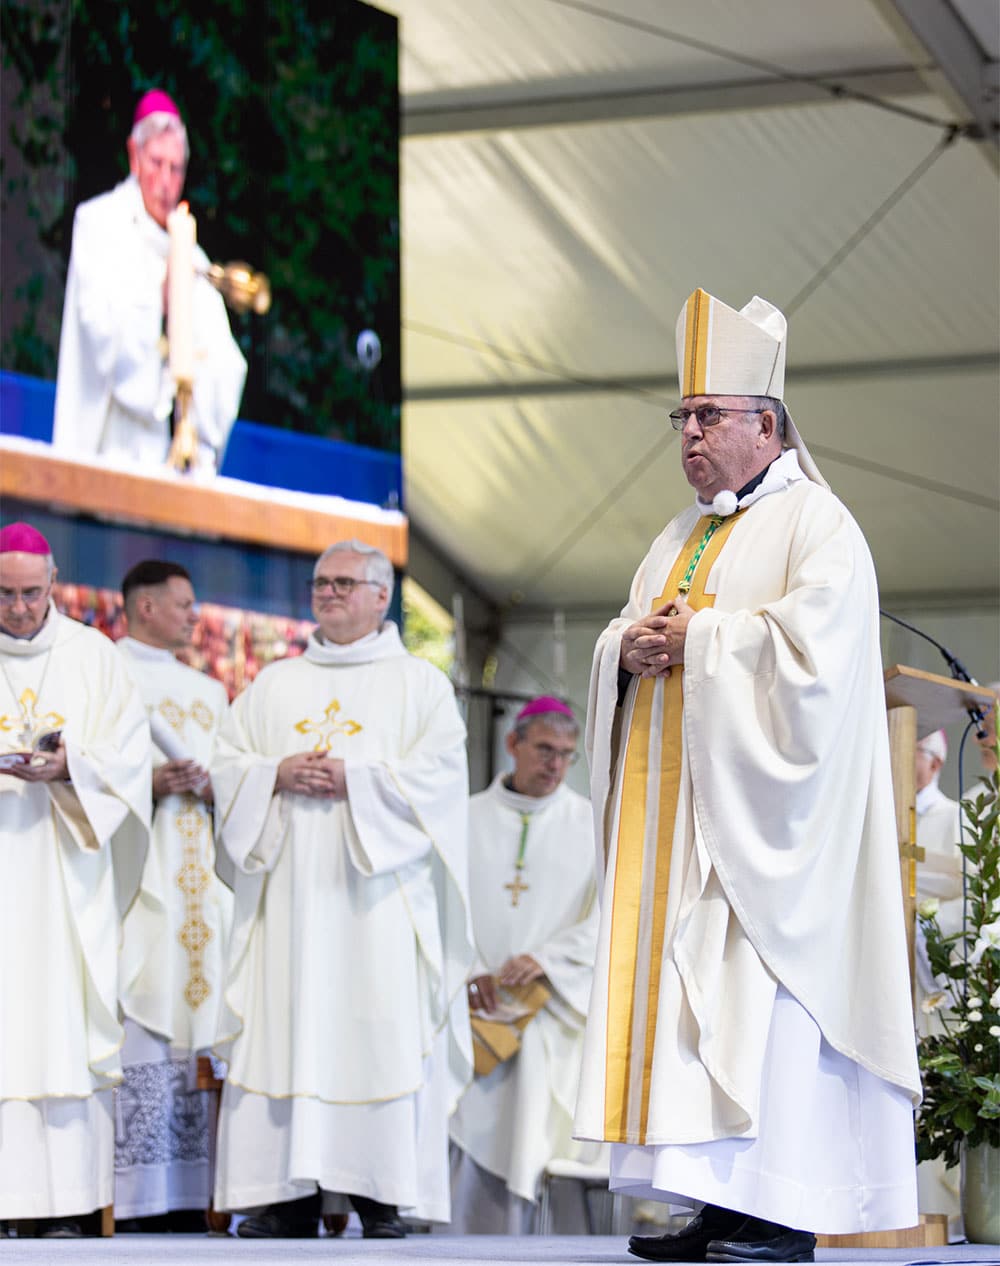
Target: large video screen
[[293, 118]]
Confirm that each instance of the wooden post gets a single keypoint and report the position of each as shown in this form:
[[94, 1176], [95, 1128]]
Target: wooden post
[[902, 754]]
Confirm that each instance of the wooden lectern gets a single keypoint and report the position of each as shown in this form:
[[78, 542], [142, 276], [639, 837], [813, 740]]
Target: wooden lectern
[[917, 704]]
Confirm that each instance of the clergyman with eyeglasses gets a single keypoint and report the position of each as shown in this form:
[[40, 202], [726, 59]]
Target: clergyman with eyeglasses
[[750, 1048], [341, 785], [534, 917]]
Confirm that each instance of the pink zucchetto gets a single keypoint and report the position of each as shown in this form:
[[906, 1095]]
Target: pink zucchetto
[[22, 538], [544, 703], [155, 101]]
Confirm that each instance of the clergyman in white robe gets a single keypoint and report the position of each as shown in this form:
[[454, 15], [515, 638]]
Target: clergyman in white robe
[[939, 878], [346, 1030], [114, 390], [511, 1123], [173, 957], [939, 875], [750, 1043], [60, 1031]]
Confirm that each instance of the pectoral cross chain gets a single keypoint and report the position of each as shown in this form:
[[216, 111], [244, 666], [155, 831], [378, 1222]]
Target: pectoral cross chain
[[518, 886]]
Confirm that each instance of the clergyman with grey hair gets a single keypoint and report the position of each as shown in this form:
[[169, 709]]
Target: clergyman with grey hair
[[341, 784], [749, 1052], [114, 388]]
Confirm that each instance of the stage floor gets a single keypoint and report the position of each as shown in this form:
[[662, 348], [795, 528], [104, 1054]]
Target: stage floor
[[566, 1250]]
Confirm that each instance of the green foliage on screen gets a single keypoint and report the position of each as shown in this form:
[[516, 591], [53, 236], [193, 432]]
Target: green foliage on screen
[[292, 113]]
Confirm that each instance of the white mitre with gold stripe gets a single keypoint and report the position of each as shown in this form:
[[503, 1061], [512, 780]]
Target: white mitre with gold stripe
[[722, 352]]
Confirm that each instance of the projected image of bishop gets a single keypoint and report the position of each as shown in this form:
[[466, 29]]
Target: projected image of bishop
[[136, 275]]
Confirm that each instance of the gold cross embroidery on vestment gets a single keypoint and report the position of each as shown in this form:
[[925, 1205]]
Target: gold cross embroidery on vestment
[[175, 714], [28, 726], [328, 726], [193, 879]]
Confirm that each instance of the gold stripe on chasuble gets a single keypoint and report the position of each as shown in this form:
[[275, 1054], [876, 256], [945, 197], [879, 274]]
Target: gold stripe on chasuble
[[638, 915], [695, 370]]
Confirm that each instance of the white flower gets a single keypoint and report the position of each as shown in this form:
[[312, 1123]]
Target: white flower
[[988, 939], [995, 998], [995, 1030], [978, 1047], [932, 1002], [975, 1017], [928, 907]]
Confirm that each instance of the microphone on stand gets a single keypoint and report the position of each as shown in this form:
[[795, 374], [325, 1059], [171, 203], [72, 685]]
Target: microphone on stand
[[957, 668]]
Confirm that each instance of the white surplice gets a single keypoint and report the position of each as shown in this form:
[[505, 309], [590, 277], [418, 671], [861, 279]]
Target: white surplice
[[939, 876], [346, 1027], [174, 940], [59, 923], [514, 1121], [114, 390], [783, 883]]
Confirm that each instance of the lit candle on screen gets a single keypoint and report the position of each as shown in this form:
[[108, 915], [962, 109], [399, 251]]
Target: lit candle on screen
[[181, 229]]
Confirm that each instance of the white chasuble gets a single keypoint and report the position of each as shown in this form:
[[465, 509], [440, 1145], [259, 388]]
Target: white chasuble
[[173, 956], [939, 828], [60, 1032], [519, 1117], [939, 876], [351, 943], [744, 813], [174, 935]]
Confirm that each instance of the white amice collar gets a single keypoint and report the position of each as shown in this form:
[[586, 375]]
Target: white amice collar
[[782, 472], [143, 650], [384, 643], [519, 803], [39, 643]]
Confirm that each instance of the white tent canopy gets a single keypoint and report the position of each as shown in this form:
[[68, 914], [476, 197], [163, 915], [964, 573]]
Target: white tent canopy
[[572, 171]]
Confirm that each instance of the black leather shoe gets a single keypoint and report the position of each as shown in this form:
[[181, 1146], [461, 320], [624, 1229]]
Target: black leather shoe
[[154, 1225], [58, 1229], [760, 1241], [288, 1220], [378, 1221], [691, 1244]]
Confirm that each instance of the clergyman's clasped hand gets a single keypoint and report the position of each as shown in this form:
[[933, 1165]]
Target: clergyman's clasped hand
[[652, 644], [313, 774]]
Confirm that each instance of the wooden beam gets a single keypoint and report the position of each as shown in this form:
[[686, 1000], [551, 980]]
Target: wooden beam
[[188, 507]]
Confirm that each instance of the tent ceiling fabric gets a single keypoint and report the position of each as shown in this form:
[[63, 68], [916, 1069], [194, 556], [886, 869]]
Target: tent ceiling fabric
[[572, 171]]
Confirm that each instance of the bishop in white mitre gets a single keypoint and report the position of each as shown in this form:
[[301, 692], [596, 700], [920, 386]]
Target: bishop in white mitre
[[175, 934], [341, 796], [534, 916], [74, 771], [750, 1049]]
